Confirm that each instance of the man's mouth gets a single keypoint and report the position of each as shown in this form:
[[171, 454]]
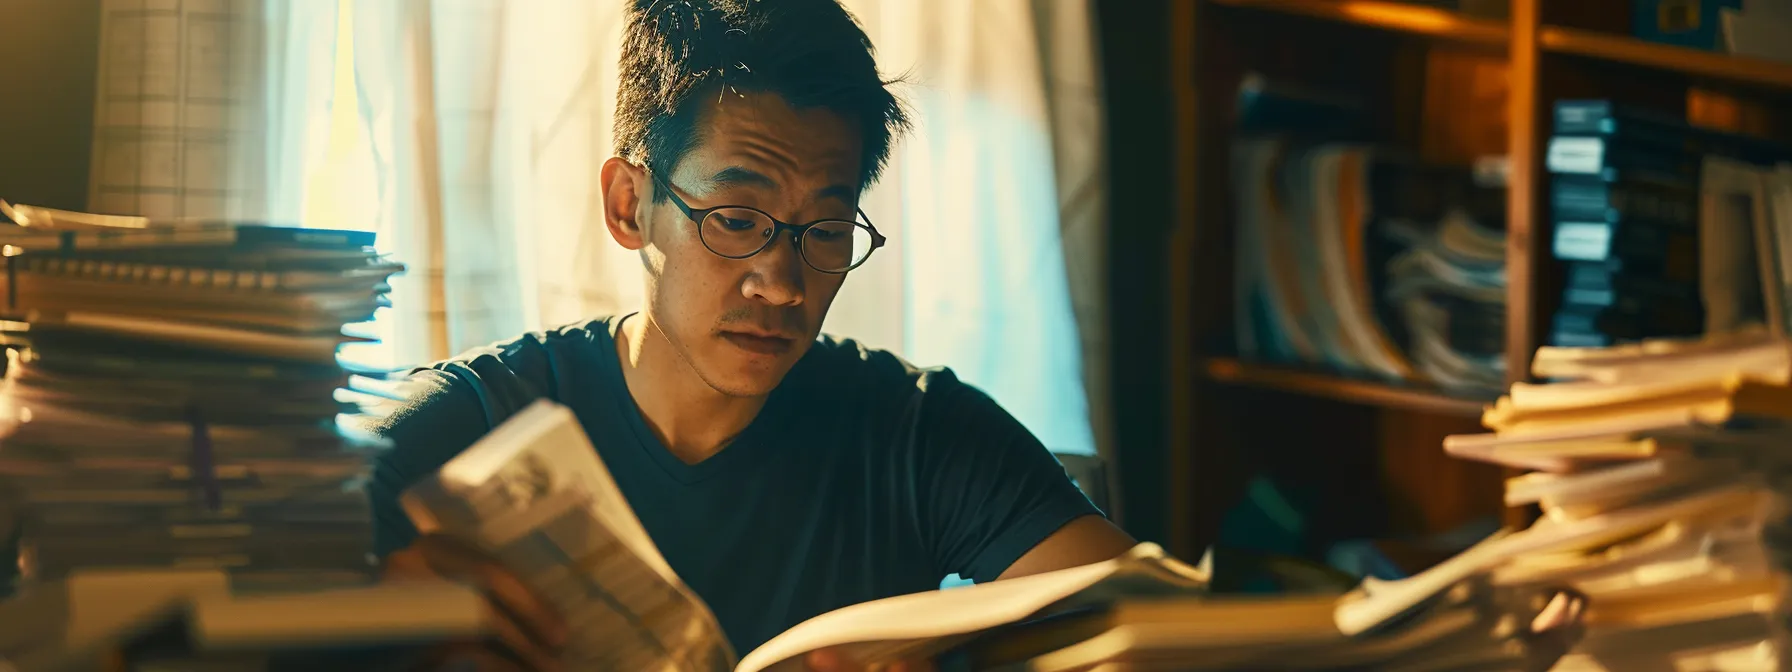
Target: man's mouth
[[763, 344]]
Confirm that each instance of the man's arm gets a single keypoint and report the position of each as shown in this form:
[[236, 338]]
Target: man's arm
[[441, 418], [1086, 540], [995, 502]]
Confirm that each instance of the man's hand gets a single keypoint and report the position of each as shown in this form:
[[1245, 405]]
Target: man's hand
[[1556, 629], [528, 628], [829, 660]]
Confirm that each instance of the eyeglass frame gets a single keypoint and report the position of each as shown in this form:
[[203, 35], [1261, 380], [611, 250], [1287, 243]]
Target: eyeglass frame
[[797, 231]]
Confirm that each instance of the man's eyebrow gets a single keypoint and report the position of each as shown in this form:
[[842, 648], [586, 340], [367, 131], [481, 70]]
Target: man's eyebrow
[[843, 193], [736, 176]]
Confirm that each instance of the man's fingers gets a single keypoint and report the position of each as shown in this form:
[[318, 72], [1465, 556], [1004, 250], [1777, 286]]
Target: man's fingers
[[910, 666], [1555, 630], [830, 660], [1563, 610], [447, 556], [518, 642], [469, 656], [537, 618], [526, 625], [826, 660], [409, 562], [453, 560]]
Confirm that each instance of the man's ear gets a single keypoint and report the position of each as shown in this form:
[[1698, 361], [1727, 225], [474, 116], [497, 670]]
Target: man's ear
[[625, 191]]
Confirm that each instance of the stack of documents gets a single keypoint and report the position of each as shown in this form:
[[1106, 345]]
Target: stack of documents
[[171, 397], [1472, 625], [1661, 473]]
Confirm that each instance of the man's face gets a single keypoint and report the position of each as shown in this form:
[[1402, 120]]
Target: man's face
[[742, 323]]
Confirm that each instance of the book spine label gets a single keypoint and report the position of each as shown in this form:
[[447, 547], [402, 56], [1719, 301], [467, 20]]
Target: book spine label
[[1606, 159], [1580, 198], [1598, 118], [1630, 241], [1646, 128]]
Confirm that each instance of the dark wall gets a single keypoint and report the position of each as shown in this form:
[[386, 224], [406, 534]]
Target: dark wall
[[49, 64], [1135, 66]]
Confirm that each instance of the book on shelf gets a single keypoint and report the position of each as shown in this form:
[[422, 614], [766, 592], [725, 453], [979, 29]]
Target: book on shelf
[[1682, 23], [1356, 258], [1664, 229], [1751, 28], [1667, 459], [1757, 29]]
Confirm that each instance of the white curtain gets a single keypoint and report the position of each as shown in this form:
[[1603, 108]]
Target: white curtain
[[1002, 173], [188, 93], [469, 134]]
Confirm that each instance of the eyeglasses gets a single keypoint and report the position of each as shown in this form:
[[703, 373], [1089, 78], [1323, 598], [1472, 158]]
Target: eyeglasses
[[738, 232]]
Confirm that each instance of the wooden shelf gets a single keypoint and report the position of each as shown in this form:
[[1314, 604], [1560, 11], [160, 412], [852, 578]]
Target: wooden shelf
[[1389, 16], [1632, 51], [1235, 372]]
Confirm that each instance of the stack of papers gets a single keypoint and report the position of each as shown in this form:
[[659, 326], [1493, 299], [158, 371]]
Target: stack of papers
[[170, 397], [1473, 625], [1661, 472], [190, 620]]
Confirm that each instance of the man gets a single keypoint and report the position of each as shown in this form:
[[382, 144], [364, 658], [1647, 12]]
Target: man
[[782, 476]]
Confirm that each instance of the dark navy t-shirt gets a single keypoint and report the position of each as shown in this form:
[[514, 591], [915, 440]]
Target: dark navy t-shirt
[[862, 478]]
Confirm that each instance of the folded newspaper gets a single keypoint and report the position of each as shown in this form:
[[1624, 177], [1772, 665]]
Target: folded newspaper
[[535, 495]]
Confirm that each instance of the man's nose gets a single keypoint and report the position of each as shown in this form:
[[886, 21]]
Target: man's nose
[[777, 273]]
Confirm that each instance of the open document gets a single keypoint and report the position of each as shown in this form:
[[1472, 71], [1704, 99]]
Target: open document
[[534, 494]]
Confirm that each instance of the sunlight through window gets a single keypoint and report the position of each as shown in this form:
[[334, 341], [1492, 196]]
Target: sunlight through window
[[341, 182]]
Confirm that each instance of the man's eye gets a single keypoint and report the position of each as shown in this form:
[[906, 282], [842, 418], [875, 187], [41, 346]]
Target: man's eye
[[734, 224], [827, 235]]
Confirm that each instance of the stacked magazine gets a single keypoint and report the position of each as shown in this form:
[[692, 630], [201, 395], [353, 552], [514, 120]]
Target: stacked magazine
[[1661, 473], [170, 397]]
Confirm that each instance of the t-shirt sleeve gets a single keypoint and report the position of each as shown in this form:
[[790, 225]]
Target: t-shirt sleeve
[[448, 407], [990, 490], [441, 417]]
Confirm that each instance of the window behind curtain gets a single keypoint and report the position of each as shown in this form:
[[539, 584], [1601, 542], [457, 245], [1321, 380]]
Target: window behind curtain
[[340, 181]]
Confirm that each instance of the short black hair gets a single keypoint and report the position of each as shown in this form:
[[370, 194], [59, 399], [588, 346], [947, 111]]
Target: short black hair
[[676, 54]]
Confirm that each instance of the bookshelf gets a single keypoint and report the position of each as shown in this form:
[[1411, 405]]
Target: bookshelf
[[1664, 58], [1449, 87], [1390, 16], [1230, 371]]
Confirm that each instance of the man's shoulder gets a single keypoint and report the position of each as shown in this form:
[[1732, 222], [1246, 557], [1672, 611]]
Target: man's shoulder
[[446, 405], [537, 358], [552, 344], [834, 361], [880, 384], [505, 376]]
